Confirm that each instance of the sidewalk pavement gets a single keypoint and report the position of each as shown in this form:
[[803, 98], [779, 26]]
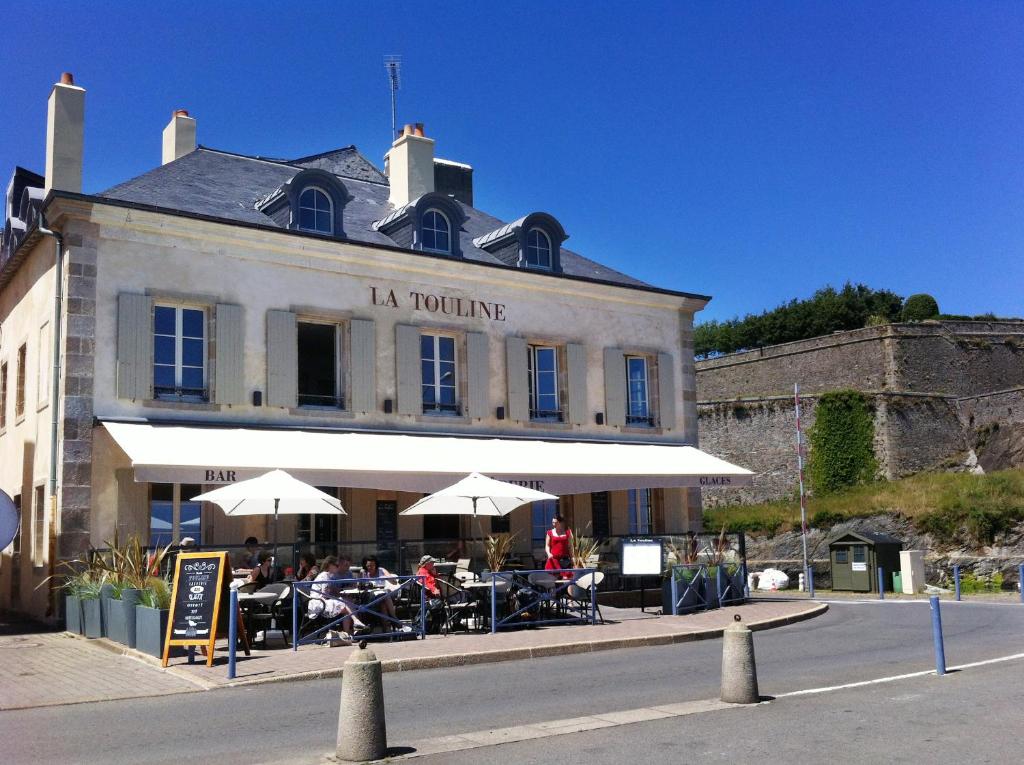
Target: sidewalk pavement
[[60, 668]]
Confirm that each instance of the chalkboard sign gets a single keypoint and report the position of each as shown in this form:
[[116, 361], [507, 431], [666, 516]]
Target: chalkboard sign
[[196, 603]]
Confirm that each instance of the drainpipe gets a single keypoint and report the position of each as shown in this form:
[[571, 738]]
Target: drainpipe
[[58, 295]]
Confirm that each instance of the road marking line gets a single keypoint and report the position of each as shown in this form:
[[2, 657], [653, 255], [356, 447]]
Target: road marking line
[[894, 678]]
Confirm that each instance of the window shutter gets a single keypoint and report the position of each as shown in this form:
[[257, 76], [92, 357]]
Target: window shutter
[[478, 365], [134, 346], [518, 375], [409, 375], [363, 396], [614, 386], [282, 359], [230, 383], [576, 382], [666, 391]]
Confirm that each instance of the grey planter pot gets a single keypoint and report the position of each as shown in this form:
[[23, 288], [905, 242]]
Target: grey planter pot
[[711, 590], [114, 626], [92, 617], [691, 598], [73, 614], [106, 596], [129, 599], [151, 629]]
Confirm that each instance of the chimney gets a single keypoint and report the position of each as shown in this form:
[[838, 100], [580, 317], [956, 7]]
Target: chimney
[[179, 136], [410, 166], [65, 121]]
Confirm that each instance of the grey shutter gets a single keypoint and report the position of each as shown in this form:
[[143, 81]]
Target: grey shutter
[[134, 346], [478, 365], [517, 374], [282, 359], [666, 391], [363, 396], [614, 386], [230, 387], [409, 375], [576, 382]]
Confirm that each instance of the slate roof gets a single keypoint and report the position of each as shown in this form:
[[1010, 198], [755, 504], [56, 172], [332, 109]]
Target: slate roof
[[220, 184], [873, 537]]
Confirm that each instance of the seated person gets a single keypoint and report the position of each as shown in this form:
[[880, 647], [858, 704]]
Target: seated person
[[377, 578], [307, 568], [249, 557], [264, 573], [326, 599], [429, 574]]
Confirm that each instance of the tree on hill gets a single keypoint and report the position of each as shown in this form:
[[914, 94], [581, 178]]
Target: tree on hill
[[919, 307], [827, 311]]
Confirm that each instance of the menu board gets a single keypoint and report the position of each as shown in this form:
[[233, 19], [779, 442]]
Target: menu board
[[641, 557], [199, 580]]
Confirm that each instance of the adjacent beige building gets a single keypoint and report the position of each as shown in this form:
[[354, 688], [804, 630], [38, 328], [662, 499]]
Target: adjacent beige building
[[222, 294]]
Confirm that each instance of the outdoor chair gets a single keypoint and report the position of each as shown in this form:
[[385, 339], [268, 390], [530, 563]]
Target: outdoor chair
[[459, 606], [275, 616], [579, 591], [462, 572]]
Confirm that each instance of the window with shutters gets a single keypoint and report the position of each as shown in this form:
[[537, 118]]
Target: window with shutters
[[319, 365], [180, 353], [639, 412], [3, 396], [439, 367], [543, 382], [19, 392]]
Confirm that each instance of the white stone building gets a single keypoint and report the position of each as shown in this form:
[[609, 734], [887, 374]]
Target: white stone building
[[371, 332]]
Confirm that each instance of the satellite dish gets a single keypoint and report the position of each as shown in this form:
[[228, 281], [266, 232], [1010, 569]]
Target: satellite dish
[[9, 520]]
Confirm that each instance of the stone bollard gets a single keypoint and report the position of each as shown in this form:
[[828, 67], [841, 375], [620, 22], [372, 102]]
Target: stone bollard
[[739, 673], [362, 734]]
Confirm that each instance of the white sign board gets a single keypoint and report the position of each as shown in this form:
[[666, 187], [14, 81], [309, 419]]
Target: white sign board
[[641, 557], [860, 566]]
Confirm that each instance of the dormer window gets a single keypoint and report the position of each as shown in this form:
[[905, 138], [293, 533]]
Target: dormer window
[[436, 232], [538, 249], [316, 213]]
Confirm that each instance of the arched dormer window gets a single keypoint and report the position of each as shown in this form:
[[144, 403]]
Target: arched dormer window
[[316, 212], [431, 224], [538, 249], [437, 231], [312, 200]]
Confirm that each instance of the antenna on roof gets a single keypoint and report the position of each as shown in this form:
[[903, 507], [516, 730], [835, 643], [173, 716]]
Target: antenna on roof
[[393, 65]]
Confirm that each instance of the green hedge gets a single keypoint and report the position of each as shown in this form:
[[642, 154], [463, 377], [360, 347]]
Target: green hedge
[[842, 441]]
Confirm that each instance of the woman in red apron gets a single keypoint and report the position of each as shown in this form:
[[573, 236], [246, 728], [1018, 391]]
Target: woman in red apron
[[558, 545]]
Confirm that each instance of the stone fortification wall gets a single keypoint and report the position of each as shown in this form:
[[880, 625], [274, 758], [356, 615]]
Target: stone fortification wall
[[942, 391], [953, 358]]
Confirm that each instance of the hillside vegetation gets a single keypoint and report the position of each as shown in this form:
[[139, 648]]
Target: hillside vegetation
[[953, 507]]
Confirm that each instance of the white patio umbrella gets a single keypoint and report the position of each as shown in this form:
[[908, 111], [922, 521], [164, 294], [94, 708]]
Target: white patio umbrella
[[477, 495], [274, 493]]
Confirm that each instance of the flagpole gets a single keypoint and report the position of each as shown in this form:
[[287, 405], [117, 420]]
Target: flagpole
[[800, 468]]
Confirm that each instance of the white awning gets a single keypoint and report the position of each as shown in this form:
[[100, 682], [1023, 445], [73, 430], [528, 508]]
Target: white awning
[[210, 455]]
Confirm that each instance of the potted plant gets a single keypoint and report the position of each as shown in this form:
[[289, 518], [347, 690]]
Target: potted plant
[[73, 604], [690, 577], [92, 611], [130, 568], [583, 551], [151, 614], [497, 548]]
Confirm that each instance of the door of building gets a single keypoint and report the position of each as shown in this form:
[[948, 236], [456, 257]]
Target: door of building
[[860, 572], [841, 579]]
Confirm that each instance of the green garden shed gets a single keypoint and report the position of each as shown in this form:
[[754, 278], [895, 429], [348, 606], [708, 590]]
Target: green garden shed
[[856, 556]]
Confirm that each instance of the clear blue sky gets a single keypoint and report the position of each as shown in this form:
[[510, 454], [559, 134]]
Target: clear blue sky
[[750, 151]]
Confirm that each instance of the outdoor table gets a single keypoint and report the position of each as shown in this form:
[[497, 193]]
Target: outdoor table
[[482, 592]]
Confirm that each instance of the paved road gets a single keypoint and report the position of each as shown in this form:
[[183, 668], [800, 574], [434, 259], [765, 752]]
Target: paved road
[[283, 722]]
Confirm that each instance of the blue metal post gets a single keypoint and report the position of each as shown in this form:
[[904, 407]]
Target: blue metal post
[[675, 592], [956, 580], [810, 580], [746, 581], [191, 654], [940, 651], [881, 584], [593, 598], [1020, 573], [233, 633], [494, 603], [295, 617], [423, 608]]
